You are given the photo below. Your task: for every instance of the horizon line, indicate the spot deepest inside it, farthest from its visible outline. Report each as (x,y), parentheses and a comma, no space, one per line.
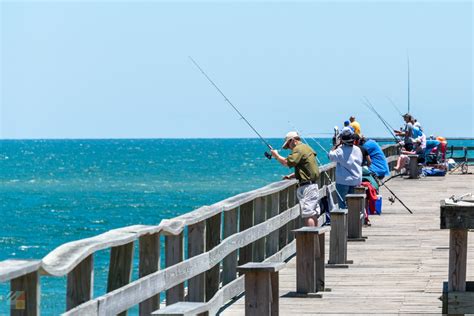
(198,138)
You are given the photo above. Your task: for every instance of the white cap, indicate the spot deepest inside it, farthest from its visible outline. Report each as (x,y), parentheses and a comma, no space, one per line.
(289,136)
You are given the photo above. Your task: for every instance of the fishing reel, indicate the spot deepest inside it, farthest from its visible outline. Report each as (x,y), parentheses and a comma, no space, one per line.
(268,155)
(391,199)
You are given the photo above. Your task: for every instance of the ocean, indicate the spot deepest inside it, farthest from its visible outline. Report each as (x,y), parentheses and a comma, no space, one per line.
(56,191)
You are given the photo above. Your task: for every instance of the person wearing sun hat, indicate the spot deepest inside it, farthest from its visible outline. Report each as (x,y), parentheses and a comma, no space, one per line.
(349,165)
(303,159)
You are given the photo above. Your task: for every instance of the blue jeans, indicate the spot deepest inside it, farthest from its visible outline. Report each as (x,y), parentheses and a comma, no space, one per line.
(343,191)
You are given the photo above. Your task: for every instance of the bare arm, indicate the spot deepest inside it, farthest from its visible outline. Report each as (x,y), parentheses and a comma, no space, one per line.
(278,157)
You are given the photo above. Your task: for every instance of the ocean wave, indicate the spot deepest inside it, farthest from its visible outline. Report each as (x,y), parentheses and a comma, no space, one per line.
(24,248)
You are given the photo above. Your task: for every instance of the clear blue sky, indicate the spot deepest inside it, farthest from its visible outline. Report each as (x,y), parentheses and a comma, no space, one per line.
(120,69)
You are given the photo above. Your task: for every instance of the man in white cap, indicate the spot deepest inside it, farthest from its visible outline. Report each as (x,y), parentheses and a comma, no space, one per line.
(349,165)
(303,159)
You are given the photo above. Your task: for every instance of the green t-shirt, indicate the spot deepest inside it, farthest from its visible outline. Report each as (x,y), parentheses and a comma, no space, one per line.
(303,159)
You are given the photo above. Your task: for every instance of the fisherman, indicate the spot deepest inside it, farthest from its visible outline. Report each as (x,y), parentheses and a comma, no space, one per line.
(407,133)
(355,125)
(366,159)
(379,165)
(349,165)
(303,159)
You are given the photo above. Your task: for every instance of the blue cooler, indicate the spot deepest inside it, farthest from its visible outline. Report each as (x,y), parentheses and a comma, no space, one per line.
(378,205)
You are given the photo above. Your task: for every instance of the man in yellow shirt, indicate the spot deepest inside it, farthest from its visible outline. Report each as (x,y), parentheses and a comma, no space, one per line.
(355,125)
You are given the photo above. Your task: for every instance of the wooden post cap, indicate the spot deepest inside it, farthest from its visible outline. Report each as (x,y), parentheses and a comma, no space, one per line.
(13,268)
(261,266)
(312,230)
(339,211)
(182,308)
(355,196)
(456,215)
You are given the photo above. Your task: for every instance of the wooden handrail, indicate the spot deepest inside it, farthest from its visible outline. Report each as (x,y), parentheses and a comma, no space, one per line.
(277,216)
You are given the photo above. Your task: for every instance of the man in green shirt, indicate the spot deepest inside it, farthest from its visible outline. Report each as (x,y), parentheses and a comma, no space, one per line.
(303,159)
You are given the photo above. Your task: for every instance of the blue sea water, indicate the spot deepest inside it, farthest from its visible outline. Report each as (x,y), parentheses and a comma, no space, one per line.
(56,191)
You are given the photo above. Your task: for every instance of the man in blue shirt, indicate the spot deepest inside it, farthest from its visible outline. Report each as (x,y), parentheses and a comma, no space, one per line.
(379,164)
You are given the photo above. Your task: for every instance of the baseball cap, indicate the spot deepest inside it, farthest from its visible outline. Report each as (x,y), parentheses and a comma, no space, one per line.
(289,136)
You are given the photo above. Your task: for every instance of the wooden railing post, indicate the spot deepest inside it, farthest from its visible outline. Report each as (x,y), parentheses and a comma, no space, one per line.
(23,275)
(80,283)
(196,246)
(356,208)
(213,238)
(292,224)
(413,166)
(261,288)
(272,208)
(283,239)
(259,217)
(174,255)
(25,291)
(457,260)
(338,239)
(458,293)
(120,268)
(246,221)
(229,264)
(310,259)
(149,262)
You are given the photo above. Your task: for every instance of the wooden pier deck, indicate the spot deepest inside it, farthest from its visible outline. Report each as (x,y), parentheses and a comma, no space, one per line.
(401,267)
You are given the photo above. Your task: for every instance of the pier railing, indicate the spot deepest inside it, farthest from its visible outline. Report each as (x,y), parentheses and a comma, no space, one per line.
(252,226)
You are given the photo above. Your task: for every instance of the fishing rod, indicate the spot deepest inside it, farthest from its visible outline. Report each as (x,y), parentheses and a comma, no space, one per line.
(267,154)
(391,192)
(319,162)
(408,66)
(395,106)
(367,103)
(377,113)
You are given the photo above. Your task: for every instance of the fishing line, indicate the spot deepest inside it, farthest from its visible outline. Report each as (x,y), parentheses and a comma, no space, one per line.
(268,155)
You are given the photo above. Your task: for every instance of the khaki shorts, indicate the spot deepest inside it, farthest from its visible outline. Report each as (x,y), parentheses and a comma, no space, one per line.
(308,196)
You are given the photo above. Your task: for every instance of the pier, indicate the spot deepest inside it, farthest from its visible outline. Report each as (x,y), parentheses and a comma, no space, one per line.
(399,268)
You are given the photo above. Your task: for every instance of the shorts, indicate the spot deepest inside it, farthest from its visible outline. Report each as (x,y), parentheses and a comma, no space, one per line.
(308,196)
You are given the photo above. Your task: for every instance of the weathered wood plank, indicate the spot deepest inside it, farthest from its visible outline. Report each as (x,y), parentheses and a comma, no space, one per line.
(291,202)
(258,294)
(413,166)
(338,239)
(66,257)
(272,209)
(355,217)
(120,268)
(150,255)
(25,295)
(258,248)
(456,215)
(173,255)
(457,260)
(229,264)
(307,249)
(14,268)
(139,290)
(320,264)
(283,235)
(227,292)
(246,221)
(80,283)
(197,246)
(213,238)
